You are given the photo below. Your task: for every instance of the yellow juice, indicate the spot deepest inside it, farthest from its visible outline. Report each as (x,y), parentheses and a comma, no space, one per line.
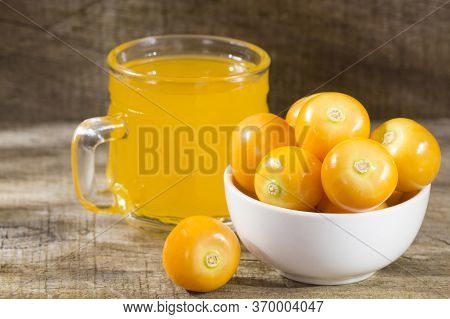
(179,111)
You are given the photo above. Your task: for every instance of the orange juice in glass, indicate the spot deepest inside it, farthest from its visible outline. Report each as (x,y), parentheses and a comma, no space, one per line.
(174,103)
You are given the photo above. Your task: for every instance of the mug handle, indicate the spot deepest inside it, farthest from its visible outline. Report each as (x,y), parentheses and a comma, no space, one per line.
(88,135)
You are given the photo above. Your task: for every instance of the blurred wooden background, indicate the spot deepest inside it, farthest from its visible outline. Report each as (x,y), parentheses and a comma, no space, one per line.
(309,41)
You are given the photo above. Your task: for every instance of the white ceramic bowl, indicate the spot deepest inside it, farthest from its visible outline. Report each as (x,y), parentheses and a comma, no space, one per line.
(324,249)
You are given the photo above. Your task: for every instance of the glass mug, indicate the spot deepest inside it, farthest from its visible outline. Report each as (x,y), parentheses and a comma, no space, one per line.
(174,101)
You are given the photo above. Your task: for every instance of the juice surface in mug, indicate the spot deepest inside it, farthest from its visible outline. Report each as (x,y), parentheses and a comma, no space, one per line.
(180,125)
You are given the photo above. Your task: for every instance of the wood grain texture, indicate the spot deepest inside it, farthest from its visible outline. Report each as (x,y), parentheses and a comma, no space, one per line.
(310,42)
(50,247)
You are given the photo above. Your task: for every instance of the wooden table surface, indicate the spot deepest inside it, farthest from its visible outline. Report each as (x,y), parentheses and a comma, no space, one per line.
(50,247)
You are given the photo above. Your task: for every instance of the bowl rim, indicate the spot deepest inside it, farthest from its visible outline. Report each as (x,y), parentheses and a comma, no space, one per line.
(389,210)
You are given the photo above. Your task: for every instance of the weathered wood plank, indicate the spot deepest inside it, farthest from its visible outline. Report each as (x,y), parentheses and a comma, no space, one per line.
(309,41)
(50,247)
